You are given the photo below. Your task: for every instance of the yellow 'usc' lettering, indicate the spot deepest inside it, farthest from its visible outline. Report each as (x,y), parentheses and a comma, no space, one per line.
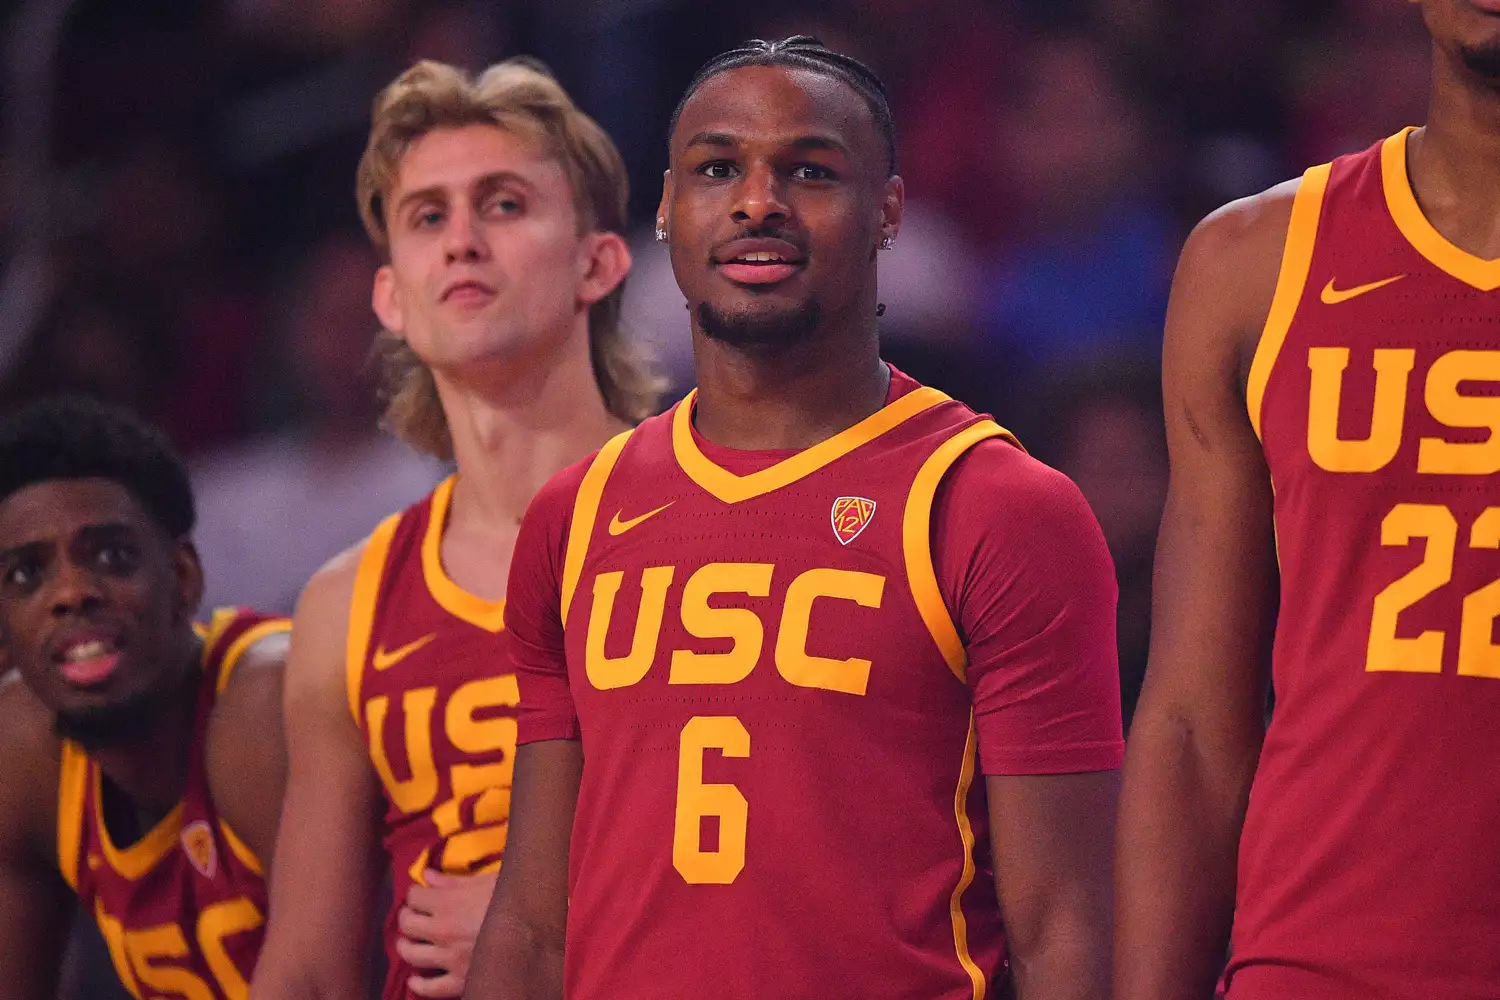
(741,626)
(147,960)
(1393,367)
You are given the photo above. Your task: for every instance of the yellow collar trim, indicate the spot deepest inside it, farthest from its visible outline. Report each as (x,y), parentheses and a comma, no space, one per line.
(730,488)
(1419,232)
(488,615)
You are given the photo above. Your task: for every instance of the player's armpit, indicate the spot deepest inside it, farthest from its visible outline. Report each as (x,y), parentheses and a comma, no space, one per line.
(519,954)
(323,881)
(246,747)
(1053,841)
(36,905)
(1199,724)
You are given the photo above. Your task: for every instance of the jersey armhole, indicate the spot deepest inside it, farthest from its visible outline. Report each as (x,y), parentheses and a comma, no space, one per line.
(72,799)
(367,579)
(246,639)
(1291,282)
(585,513)
(916,541)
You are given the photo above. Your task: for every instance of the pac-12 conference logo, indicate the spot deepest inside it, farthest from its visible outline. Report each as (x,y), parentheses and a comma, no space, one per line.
(850,516)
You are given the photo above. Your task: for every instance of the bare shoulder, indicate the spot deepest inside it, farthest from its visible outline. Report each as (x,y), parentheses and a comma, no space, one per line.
(30,763)
(1230,264)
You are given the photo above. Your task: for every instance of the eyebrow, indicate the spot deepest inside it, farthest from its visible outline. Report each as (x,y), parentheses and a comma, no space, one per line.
(89,532)
(485,182)
(724,139)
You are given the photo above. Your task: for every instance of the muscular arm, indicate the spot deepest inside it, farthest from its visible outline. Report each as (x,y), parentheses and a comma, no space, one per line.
(519,955)
(1200,721)
(38,905)
(246,754)
(323,882)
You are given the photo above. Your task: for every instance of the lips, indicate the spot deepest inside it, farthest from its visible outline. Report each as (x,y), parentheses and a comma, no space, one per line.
(467,291)
(1487,6)
(759,261)
(88,659)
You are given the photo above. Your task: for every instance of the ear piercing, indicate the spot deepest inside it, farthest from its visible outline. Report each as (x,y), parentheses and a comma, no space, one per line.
(888,243)
(661,230)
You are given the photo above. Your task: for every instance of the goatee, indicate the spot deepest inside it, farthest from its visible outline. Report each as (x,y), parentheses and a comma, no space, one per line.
(755,330)
(107,726)
(1483,61)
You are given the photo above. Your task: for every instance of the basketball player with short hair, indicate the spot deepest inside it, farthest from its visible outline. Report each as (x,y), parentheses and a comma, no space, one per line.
(818,683)
(1331,361)
(498,206)
(141,762)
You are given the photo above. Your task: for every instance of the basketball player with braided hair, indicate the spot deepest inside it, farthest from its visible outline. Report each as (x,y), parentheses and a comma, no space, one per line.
(498,206)
(817,669)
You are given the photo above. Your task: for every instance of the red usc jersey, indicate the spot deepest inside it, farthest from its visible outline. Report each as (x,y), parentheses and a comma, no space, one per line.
(182,909)
(439,722)
(1368,864)
(778,714)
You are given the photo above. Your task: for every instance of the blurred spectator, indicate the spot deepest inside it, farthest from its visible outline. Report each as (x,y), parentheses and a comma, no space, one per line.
(1088,262)
(1103,428)
(273,510)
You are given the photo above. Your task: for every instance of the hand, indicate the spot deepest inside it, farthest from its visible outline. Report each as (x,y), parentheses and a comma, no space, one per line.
(438,925)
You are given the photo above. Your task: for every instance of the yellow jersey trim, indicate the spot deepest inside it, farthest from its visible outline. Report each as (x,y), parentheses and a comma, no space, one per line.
(72,799)
(730,488)
(241,849)
(362,607)
(966,879)
(585,513)
(488,615)
(1291,282)
(916,541)
(1419,232)
(252,635)
(135,861)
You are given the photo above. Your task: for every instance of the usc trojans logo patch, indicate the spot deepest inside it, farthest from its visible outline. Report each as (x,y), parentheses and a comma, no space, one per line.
(198,845)
(850,516)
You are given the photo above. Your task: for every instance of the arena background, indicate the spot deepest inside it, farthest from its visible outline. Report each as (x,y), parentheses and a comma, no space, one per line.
(178,231)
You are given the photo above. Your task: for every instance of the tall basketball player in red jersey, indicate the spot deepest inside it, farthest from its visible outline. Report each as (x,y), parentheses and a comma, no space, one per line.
(1332,354)
(141,760)
(769,642)
(499,207)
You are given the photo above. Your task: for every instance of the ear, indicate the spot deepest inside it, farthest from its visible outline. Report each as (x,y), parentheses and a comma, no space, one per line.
(606,262)
(663,210)
(385,299)
(892,206)
(187,575)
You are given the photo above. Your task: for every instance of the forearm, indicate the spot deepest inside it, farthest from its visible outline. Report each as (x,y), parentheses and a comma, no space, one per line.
(1179,831)
(515,960)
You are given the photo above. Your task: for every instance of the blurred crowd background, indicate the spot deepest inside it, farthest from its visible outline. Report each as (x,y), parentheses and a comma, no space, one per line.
(178,230)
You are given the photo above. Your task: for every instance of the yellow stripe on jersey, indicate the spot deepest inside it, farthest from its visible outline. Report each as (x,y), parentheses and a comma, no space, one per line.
(966,838)
(488,615)
(135,861)
(252,635)
(730,488)
(72,799)
(1296,259)
(241,849)
(916,540)
(362,607)
(1401,202)
(585,513)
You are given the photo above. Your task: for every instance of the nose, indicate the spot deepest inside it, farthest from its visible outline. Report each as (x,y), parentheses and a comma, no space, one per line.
(463,237)
(75,589)
(760,200)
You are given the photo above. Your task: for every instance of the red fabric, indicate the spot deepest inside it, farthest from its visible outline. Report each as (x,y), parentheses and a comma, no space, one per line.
(450,807)
(1368,862)
(173,904)
(850,798)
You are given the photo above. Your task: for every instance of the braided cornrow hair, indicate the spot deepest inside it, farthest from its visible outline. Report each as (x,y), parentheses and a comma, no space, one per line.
(804,52)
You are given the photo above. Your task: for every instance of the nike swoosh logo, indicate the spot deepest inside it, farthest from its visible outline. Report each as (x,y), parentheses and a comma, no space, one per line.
(1333,296)
(619,527)
(386,659)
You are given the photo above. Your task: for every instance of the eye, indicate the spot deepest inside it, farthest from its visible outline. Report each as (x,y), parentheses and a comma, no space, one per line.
(428,218)
(505,204)
(23,576)
(116,557)
(811,172)
(717,170)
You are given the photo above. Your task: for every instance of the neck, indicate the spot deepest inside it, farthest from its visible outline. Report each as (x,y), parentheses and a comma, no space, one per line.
(1455,161)
(515,425)
(152,772)
(791,398)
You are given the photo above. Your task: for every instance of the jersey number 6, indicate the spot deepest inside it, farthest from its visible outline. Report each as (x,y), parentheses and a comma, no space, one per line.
(697,800)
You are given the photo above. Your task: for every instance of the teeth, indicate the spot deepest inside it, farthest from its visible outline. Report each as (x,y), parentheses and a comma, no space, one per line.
(761,257)
(87,650)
